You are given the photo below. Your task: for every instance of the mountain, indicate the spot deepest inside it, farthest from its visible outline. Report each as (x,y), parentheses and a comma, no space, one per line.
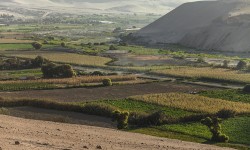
(99,6)
(210,25)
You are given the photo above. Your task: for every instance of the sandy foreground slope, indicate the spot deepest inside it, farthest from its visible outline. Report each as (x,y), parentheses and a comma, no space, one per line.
(40,135)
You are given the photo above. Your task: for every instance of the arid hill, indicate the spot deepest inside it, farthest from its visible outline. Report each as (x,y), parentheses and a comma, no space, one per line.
(24,134)
(210,25)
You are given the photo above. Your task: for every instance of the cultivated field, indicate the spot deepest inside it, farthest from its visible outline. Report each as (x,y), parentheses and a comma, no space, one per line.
(14,41)
(216,74)
(84,81)
(103,93)
(193,103)
(62,57)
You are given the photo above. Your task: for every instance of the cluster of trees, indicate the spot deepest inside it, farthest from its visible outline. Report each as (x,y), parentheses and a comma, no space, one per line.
(17,63)
(52,70)
(242,65)
(213,123)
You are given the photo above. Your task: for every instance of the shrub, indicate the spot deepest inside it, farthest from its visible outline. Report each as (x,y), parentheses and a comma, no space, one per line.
(154,119)
(225,63)
(112,47)
(123,44)
(63,44)
(215,128)
(226,113)
(121,118)
(89,44)
(193,118)
(246,89)
(200,60)
(107,82)
(99,110)
(98,73)
(37,45)
(241,65)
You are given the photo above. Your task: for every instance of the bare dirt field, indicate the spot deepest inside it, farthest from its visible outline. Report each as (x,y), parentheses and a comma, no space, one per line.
(60,116)
(23,134)
(104,93)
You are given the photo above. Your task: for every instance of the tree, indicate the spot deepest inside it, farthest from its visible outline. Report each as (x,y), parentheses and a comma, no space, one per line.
(112,47)
(121,118)
(226,63)
(48,70)
(215,128)
(38,61)
(200,60)
(63,44)
(64,71)
(37,45)
(241,65)
(58,71)
(246,89)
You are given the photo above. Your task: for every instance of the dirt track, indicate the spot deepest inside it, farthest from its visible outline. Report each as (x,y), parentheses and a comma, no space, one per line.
(101,93)
(42,135)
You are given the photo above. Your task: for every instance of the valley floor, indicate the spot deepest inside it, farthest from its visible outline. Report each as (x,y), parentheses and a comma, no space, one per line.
(42,135)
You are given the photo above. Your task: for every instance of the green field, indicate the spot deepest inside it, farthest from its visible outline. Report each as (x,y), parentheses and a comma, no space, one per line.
(142,107)
(24,46)
(15,47)
(231,95)
(236,128)
(21,73)
(63,57)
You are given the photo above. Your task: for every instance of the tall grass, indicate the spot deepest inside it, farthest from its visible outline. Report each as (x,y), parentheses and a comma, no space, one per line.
(193,103)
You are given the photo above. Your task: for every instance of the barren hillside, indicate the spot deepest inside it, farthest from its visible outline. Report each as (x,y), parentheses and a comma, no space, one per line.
(210,25)
(42,135)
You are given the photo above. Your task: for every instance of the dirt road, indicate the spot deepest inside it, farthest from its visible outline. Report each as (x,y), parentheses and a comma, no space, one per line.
(42,135)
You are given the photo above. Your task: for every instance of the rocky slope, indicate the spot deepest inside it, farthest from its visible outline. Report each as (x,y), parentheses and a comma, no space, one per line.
(211,25)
